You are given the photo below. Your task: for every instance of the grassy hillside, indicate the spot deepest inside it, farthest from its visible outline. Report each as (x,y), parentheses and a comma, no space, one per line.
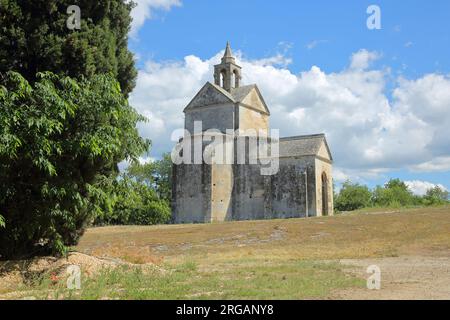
(372,233)
(281,259)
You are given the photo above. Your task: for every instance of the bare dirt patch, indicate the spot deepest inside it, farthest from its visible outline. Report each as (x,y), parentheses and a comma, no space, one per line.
(14,274)
(405,277)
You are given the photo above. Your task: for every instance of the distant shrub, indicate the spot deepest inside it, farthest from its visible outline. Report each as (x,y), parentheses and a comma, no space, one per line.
(394,193)
(436,196)
(352,196)
(133,203)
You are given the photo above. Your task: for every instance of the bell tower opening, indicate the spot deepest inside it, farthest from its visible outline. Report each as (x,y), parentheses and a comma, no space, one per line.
(227,74)
(223,76)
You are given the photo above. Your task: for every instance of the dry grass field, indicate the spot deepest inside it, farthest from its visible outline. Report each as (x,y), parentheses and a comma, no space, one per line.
(355,235)
(312,258)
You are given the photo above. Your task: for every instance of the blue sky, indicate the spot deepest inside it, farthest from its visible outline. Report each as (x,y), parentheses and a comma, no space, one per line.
(413,43)
(415,33)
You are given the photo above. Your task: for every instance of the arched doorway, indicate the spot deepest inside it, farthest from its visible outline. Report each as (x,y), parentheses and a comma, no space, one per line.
(324,194)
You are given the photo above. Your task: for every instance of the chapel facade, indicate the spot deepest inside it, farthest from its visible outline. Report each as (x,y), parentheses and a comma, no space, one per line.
(291,178)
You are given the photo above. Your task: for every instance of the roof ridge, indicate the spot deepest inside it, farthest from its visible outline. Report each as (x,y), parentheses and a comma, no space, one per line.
(247,85)
(222,90)
(303,145)
(308,136)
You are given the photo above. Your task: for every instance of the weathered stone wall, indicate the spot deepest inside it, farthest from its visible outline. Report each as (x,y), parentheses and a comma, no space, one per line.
(289,188)
(220,117)
(221,192)
(240,192)
(191,193)
(248,193)
(252,119)
(278,196)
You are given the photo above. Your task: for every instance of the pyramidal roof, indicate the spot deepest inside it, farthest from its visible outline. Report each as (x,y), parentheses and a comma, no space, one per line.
(228,53)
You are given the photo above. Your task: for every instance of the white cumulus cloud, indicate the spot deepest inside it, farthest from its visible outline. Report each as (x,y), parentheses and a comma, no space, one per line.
(362,59)
(369,132)
(144,10)
(420,188)
(439,164)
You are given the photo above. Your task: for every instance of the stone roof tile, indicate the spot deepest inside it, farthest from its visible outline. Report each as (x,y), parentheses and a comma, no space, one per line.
(301,145)
(240,93)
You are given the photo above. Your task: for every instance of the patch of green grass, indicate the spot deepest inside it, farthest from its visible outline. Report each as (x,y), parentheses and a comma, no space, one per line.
(243,279)
(294,279)
(393,208)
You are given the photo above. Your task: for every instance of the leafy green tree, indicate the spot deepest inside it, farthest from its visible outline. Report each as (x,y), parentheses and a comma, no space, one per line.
(395,193)
(157,174)
(139,204)
(141,195)
(436,196)
(163,177)
(60,142)
(396,184)
(352,196)
(134,202)
(34,38)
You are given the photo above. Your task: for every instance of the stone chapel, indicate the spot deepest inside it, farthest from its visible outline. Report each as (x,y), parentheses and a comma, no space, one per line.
(210,191)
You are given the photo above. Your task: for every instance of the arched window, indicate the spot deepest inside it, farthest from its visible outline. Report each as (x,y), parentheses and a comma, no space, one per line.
(324,194)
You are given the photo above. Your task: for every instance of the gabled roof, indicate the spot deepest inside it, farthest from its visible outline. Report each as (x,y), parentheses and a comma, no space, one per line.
(241,94)
(209,94)
(303,146)
(212,94)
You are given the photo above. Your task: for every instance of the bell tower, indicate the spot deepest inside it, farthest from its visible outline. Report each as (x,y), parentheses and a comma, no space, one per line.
(227,74)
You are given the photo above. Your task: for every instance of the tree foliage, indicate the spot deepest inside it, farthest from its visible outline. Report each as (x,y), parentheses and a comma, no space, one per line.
(34,38)
(395,193)
(157,174)
(352,196)
(60,142)
(141,195)
(436,196)
(133,203)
